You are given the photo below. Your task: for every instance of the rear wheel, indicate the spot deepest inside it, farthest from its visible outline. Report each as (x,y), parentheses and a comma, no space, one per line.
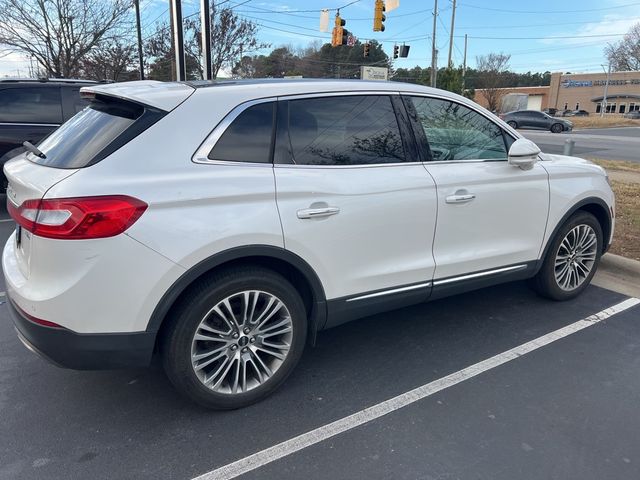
(557,128)
(512,124)
(235,338)
(572,258)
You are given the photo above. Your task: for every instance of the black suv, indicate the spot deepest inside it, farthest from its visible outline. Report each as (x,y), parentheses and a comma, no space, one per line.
(31,109)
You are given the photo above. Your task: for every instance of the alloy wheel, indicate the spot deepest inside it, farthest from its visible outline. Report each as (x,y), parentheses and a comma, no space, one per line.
(241,342)
(576,257)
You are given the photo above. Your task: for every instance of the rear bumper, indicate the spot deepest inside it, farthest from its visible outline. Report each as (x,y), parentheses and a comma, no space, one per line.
(82,351)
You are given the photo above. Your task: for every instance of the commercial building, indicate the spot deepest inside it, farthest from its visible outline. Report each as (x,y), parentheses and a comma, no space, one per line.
(578,91)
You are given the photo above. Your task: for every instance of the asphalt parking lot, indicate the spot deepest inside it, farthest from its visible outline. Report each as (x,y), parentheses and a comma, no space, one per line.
(604,143)
(568,409)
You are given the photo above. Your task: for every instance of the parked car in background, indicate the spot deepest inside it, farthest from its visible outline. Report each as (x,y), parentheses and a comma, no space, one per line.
(281,208)
(634,115)
(550,111)
(537,120)
(577,113)
(30,109)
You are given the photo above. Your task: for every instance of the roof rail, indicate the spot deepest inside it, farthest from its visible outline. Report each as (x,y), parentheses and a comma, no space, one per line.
(44,80)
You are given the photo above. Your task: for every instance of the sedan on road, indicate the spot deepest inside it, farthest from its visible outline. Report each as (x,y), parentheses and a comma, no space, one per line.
(537,120)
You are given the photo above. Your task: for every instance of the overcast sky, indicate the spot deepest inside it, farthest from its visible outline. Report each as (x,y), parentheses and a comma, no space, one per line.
(527,30)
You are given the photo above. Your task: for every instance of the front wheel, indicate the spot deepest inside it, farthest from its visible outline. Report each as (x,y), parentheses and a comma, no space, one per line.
(235,337)
(512,124)
(572,258)
(556,128)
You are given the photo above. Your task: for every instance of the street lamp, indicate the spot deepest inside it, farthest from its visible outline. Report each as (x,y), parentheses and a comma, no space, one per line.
(606,88)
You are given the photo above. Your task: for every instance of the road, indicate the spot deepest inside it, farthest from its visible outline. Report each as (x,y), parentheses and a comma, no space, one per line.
(604,143)
(564,406)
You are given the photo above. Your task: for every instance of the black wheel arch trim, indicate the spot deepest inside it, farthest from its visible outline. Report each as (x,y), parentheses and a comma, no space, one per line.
(606,231)
(318,312)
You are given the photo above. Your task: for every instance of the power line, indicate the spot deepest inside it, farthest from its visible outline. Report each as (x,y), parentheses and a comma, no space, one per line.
(546,12)
(545,38)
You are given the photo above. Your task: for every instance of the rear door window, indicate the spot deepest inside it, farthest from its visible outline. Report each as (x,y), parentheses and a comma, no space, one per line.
(349,130)
(79,141)
(31,105)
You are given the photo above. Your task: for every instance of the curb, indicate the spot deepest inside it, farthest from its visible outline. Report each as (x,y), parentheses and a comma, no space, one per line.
(619,274)
(616,263)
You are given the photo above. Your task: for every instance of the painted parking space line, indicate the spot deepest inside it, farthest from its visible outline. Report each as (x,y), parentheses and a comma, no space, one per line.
(7,220)
(293,445)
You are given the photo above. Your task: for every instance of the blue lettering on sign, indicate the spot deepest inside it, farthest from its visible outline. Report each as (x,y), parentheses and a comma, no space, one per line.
(577,83)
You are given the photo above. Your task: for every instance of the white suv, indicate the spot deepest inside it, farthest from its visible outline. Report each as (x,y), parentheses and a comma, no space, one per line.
(224,224)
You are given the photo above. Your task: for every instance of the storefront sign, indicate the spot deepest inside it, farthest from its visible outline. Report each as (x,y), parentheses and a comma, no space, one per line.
(598,83)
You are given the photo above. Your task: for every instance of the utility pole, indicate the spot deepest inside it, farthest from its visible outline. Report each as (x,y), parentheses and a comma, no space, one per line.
(178,40)
(603,107)
(434,52)
(205,21)
(464,63)
(453,22)
(140,60)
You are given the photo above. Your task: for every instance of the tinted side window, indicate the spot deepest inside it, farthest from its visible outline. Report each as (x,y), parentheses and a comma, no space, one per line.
(248,138)
(455,132)
(31,105)
(351,130)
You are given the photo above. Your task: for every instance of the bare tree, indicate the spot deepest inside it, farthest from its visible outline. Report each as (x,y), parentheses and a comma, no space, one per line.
(111,62)
(491,70)
(59,33)
(625,54)
(231,35)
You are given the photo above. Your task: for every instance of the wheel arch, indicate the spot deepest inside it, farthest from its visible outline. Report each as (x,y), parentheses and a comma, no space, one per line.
(593,205)
(282,261)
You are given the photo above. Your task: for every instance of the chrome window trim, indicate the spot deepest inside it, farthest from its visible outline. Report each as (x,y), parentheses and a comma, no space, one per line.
(471,276)
(366,165)
(390,291)
(16,124)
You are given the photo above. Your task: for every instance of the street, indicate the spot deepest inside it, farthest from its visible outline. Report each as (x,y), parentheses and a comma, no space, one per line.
(602,143)
(565,410)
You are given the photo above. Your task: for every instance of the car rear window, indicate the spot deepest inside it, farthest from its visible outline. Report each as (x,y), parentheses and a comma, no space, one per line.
(80,140)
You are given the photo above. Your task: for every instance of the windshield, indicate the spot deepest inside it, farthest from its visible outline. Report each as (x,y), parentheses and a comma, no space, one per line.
(77,142)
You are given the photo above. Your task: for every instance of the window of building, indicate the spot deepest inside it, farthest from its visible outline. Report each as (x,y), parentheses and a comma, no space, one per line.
(248,138)
(456,132)
(31,105)
(349,130)
(622,108)
(632,106)
(598,107)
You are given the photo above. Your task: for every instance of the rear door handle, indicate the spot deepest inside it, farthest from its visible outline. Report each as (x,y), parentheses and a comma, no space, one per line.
(318,212)
(460,198)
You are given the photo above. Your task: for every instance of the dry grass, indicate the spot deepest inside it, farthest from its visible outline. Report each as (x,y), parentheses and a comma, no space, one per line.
(619,165)
(602,122)
(626,241)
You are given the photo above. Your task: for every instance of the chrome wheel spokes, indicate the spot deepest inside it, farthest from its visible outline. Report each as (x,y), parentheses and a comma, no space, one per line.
(576,257)
(241,342)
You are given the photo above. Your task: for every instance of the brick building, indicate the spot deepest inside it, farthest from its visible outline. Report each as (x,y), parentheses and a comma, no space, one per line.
(578,91)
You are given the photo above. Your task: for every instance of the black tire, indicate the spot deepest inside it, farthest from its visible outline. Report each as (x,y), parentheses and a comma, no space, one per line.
(512,124)
(176,343)
(557,128)
(545,282)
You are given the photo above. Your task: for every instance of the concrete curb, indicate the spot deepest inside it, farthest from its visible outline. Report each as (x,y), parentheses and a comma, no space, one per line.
(619,274)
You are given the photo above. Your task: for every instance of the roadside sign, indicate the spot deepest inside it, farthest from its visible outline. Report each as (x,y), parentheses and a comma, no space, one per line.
(374,73)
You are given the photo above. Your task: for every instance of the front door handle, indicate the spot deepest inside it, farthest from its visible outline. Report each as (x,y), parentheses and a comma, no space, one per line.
(460,197)
(318,212)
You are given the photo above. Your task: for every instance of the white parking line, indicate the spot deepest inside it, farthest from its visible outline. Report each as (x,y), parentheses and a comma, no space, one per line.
(320,434)
(3,294)
(7,220)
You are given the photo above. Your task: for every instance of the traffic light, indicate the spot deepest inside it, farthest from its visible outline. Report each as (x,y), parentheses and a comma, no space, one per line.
(367,47)
(339,35)
(378,16)
(396,50)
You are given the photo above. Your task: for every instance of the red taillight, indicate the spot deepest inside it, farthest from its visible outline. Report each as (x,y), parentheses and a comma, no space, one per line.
(78,218)
(39,321)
